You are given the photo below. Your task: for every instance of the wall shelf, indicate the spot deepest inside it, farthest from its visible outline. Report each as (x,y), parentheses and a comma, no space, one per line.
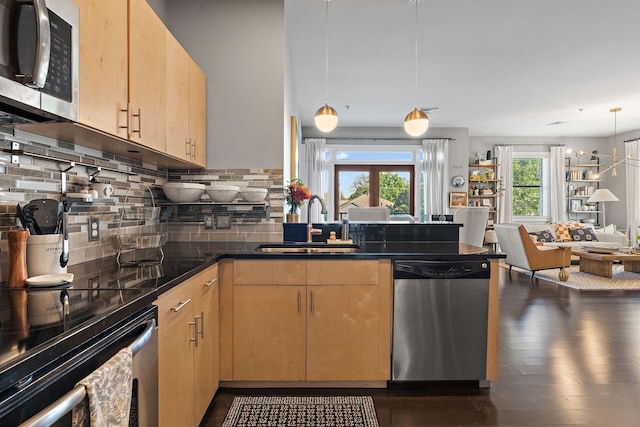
(195,212)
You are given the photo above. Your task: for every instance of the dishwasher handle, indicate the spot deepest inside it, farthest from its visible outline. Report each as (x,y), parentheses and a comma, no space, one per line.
(412,269)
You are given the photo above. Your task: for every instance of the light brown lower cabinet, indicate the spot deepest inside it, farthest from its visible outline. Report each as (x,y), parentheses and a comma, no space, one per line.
(318,320)
(343,334)
(269,333)
(188,349)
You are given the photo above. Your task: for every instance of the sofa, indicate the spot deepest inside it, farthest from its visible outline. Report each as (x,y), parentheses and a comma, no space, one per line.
(575,235)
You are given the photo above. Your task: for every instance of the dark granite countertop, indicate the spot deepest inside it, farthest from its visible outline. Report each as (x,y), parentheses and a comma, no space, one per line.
(103,292)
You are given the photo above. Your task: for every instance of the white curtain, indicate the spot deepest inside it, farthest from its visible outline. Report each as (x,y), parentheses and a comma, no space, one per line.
(435,173)
(312,174)
(504,157)
(632,148)
(557,184)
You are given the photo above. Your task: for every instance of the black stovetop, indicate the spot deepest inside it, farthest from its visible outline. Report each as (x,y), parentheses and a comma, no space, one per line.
(101,293)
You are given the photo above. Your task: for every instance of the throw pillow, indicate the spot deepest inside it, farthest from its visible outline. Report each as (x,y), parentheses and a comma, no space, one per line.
(609,229)
(543,236)
(583,234)
(562,230)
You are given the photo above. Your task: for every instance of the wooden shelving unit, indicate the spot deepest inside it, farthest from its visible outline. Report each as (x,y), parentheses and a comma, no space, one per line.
(487,193)
(582,181)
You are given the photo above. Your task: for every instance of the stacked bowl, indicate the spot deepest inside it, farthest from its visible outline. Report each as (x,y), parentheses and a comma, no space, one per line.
(222,192)
(183,192)
(253,195)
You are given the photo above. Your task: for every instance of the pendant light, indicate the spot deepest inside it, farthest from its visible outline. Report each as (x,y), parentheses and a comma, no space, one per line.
(326,118)
(614,170)
(417,122)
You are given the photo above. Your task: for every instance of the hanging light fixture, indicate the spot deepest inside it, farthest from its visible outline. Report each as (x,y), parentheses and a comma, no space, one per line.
(614,170)
(614,158)
(326,118)
(417,122)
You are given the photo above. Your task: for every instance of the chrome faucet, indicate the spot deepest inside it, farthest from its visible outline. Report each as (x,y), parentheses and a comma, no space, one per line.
(310,230)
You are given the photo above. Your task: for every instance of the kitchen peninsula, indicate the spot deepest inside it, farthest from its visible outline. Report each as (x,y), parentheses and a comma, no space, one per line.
(285,319)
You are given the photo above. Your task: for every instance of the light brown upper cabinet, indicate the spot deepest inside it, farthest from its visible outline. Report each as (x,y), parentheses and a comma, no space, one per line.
(147,76)
(198,113)
(138,83)
(186,105)
(104,62)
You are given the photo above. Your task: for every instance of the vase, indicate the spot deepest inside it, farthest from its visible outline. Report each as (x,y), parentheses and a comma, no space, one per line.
(293,217)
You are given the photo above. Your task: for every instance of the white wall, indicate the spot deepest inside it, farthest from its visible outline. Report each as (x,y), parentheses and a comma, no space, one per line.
(240,46)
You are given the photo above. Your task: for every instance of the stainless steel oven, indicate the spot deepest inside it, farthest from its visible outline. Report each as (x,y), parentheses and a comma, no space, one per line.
(47,399)
(39,59)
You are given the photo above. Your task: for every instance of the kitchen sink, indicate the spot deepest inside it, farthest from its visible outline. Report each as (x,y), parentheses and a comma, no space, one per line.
(303,247)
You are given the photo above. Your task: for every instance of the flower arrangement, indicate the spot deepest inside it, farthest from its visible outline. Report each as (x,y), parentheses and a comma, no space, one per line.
(295,194)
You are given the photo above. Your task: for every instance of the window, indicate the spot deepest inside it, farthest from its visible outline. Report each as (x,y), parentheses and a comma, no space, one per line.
(390,186)
(372,175)
(531,195)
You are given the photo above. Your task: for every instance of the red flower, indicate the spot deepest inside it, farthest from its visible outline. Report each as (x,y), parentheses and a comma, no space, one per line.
(296,193)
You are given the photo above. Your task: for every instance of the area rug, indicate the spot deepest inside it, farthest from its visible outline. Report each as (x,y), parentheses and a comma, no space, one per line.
(285,411)
(621,279)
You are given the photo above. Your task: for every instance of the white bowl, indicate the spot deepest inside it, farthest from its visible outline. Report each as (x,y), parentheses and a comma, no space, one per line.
(222,193)
(183,192)
(253,194)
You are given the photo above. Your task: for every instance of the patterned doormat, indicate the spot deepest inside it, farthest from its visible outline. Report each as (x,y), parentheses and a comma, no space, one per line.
(335,411)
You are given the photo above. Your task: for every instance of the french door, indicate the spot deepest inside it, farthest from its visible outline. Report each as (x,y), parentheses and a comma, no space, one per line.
(391,186)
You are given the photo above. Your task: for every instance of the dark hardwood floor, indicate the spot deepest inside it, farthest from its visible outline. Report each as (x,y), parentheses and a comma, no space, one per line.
(567,358)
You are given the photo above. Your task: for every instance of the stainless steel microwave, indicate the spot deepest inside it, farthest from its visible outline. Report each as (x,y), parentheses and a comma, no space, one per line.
(39,59)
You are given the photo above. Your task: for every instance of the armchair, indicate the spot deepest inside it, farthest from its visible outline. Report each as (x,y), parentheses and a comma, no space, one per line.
(522,252)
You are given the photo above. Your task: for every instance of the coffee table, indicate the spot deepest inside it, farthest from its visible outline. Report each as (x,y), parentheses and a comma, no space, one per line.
(602,264)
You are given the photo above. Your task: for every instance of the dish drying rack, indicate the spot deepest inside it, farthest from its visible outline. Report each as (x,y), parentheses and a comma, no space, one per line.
(138,242)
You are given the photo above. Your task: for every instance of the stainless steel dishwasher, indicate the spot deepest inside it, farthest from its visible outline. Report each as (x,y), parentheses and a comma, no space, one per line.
(440,312)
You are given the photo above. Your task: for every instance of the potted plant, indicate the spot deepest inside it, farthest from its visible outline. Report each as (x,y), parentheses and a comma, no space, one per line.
(489,174)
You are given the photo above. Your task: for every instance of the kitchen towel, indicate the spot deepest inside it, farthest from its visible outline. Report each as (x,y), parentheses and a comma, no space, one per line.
(109,391)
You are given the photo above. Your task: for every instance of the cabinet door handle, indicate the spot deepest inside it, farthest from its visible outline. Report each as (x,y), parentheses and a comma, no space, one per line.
(313,302)
(187,148)
(299,302)
(195,149)
(126,126)
(211,282)
(195,330)
(202,324)
(139,116)
(180,306)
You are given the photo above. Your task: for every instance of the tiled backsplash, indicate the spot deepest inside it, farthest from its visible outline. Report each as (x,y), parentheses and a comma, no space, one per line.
(38,174)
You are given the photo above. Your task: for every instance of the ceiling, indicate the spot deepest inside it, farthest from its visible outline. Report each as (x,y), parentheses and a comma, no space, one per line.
(496,67)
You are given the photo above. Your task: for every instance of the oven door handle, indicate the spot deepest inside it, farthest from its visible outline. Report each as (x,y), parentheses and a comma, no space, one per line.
(60,407)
